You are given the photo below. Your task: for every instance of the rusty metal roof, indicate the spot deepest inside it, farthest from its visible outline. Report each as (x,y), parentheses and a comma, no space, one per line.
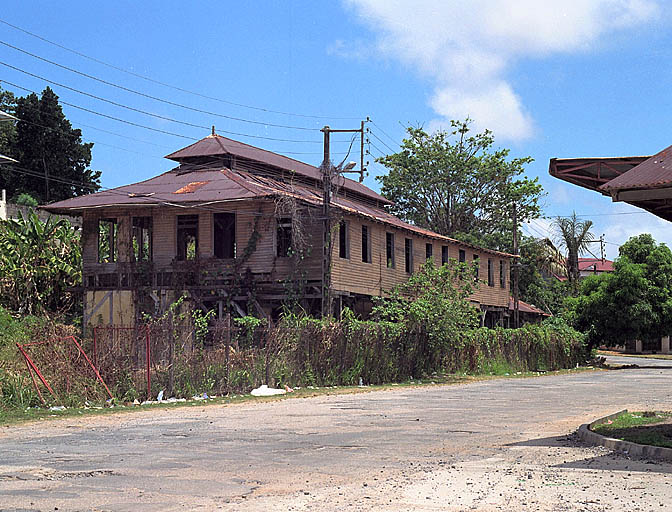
(596,265)
(205,187)
(654,172)
(216,145)
(591,172)
(524,307)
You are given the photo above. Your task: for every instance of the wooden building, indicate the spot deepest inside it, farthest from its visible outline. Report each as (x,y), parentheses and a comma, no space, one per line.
(239,227)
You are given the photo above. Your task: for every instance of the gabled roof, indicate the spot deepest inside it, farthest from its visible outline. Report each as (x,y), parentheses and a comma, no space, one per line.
(216,145)
(204,187)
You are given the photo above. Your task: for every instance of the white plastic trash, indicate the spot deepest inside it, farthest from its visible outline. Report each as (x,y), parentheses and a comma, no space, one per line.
(264,390)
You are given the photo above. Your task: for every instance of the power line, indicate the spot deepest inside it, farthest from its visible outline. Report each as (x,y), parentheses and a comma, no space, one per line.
(384,133)
(143,77)
(381,141)
(152,114)
(155,98)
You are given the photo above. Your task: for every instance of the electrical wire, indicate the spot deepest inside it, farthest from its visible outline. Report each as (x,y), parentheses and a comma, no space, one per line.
(384,133)
(152,114)
(381,141)
(143,77)
(155,98)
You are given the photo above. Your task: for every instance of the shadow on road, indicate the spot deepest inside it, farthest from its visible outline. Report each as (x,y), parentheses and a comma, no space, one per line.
(555,441)
(616,461)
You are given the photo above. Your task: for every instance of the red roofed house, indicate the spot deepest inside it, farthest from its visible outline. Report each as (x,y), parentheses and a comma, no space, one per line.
(591,266)
(240,227)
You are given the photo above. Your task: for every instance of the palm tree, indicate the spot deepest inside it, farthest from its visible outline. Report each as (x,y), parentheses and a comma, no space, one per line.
(574,235)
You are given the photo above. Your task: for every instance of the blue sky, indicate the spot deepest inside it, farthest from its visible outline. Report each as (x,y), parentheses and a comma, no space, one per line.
(589,78)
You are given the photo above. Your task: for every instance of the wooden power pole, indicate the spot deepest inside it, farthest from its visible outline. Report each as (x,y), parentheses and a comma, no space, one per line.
(516,270)
(328,172)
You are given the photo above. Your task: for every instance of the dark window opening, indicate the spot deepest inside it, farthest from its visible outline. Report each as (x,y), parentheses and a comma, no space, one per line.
(444,254)
(389,246)
(408,253)
(224,235)
(429,250)
(477,264)
(107,240)
(366,244)
(502,274)
(491,273)
(187,237)
(343,246)
(142,239)
(463,256)
(284,237)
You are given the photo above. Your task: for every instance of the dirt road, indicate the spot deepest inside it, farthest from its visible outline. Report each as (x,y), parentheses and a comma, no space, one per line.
(494,445)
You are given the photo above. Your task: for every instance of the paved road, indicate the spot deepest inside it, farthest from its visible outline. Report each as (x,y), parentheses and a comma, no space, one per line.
(493,445)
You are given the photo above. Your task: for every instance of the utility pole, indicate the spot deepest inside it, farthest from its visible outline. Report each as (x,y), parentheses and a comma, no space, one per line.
(328,172)
(602,248)
(516,269)
(326,225)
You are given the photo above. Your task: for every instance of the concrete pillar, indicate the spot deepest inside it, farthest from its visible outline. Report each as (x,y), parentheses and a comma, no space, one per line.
(3,205)
(638,346)
(665,345)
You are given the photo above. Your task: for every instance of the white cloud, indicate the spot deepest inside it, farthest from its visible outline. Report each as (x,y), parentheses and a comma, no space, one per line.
(466,47)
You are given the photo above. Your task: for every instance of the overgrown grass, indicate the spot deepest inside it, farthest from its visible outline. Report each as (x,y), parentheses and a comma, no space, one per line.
(651,428)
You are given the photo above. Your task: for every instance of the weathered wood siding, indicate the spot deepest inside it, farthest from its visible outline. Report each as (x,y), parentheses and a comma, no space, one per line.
(262,260)
(355,276)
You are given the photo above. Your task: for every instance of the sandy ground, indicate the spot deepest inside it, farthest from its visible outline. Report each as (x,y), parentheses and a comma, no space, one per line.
(494,445)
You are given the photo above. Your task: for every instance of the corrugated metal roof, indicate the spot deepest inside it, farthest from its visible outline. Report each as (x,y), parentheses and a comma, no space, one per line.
(524,307)
(221,185)
(654,172)
(596,265)
(216,145)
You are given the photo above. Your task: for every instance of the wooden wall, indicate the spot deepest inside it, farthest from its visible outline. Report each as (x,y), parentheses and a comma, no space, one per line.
(355,276)
(350,275)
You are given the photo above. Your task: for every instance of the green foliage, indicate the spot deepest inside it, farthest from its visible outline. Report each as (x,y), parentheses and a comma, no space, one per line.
(24,199)
(39,262)
(16,391)
(456,184)
(46,143)
(633,302)
(575,236)
(539,264)
(433,298)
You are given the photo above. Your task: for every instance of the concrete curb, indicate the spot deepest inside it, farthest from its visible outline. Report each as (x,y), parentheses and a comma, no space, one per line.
(632,449)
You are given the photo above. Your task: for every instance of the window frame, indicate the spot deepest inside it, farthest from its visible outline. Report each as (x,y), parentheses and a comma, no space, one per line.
(389,250)
(491,273)
(445,254)
(429,251)
(141,225)
(196,227)
(366,244)
(112,240)
(283,224)
(232,245)
(408,255)
(344,235)
(502,274)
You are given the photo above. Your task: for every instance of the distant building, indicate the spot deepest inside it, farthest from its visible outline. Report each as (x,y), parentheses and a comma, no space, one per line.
(4,117)
(592,266)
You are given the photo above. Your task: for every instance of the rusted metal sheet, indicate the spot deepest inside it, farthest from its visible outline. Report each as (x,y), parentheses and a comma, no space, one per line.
(592,173)
(216,145)
(654,172)
(191,187)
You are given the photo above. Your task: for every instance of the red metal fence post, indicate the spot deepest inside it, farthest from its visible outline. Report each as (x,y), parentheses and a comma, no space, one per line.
(148,360)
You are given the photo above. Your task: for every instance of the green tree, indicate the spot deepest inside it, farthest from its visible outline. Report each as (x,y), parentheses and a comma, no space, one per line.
(456,184)
(435,299)
(541,265)
(54,160)
(633,302)
(39,263)
(575,236)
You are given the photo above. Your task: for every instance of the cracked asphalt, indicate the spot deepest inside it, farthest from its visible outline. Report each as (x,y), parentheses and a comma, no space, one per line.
(503,444)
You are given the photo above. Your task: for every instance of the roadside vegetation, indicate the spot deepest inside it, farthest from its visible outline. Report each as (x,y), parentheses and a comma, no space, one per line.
(651,428)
